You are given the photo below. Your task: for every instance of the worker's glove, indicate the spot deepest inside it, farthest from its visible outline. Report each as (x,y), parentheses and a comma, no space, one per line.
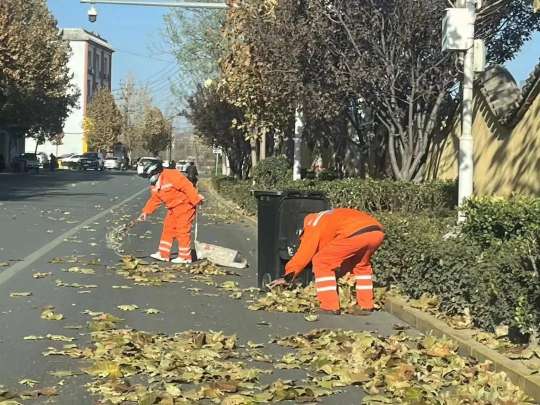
(201,202)
(285,281)
(142,217)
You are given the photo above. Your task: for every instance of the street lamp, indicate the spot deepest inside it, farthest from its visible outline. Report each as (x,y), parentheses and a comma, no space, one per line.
(92,14)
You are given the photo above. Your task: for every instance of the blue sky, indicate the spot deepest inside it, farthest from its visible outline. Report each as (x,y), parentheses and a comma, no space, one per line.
(136,34)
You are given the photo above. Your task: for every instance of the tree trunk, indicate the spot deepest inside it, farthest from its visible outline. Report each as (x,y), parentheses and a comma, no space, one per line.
(297,159)
(253,145)
(262,151)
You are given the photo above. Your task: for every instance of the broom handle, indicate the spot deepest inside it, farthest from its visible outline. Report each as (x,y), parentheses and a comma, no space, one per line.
(196,224)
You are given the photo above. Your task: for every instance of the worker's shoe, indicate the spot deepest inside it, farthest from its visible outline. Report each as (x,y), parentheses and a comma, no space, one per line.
(330,311)
(358,311)
(158,256)
(179,260)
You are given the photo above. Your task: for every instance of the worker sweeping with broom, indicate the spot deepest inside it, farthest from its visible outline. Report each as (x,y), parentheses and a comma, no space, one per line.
(171,188)
(341,238)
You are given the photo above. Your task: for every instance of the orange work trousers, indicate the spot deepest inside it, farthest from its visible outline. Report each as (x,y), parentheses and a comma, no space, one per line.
(177,225)
(349,254)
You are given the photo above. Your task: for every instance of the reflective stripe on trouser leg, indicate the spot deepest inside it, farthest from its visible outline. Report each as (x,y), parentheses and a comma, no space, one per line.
(326,287)
(167,236)
(364,287)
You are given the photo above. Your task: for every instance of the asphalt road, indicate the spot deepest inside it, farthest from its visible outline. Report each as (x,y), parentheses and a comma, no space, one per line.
(64,214)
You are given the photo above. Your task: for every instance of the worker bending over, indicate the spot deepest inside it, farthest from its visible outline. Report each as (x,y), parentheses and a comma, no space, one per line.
(176,192)
(341,238)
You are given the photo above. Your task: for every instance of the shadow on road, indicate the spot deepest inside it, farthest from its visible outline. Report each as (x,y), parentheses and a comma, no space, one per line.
(17,187)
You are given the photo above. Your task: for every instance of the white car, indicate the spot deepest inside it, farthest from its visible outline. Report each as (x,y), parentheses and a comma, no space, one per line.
(144,162)
(113,163)
(182,165)
(72,162)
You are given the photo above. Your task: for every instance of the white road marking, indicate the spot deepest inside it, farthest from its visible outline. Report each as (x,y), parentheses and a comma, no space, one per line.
(31,258)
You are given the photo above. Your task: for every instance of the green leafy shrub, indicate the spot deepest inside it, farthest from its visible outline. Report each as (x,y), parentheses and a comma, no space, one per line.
(386,195)
(366,195)
(272,173)
(328,175)
(237,191)
(496,285)
(495,220)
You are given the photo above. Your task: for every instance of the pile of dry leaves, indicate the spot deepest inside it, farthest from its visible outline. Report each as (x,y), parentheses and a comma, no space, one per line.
(209,367)
(304,300)
(398,369)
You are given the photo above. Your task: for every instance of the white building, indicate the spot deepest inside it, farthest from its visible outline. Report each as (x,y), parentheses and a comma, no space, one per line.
(90,63)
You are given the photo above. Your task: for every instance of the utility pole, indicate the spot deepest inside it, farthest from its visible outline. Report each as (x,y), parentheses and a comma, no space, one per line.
(466,141)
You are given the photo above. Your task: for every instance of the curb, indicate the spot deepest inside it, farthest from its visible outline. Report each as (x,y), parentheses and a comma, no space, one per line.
(227,203)
(426,323)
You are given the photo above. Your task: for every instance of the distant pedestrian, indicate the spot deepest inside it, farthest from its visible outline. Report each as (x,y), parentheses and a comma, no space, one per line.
(2,163)
(192,174)
(53,162)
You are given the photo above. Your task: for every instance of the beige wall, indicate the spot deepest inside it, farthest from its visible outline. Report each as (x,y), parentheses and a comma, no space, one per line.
(507,160)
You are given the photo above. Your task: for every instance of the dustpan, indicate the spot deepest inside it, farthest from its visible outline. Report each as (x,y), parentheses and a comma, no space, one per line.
(218,255)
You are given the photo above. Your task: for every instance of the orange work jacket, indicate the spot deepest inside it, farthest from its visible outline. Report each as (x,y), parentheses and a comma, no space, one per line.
(172,189)
(322,228)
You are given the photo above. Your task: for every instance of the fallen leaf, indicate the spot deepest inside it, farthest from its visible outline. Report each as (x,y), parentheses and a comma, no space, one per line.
(152,311)
(128,307)
(41,275)
(50,315)
(311,317)
(20,294)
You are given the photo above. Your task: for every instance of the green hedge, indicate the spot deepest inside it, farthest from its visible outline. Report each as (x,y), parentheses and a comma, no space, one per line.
(496,220)
(237,191)
(497,285)
(367,195)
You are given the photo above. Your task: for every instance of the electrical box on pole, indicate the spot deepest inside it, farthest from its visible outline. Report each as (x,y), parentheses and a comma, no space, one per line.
(458,29)
(480,55)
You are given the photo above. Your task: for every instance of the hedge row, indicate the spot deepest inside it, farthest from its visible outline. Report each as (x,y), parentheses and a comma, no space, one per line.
(367,195)
(497,285)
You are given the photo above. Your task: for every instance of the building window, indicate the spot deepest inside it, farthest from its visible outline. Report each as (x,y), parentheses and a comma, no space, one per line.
(88,90)
(90,61)
(106,66)
(98,64)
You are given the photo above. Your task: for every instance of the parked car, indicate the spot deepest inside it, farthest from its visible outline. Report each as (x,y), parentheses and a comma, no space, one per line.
(43,159)
(182,165)
(25,162)
(113,163)
(72,162)
(62,158)
(90,161)
(144,162)
(96,156)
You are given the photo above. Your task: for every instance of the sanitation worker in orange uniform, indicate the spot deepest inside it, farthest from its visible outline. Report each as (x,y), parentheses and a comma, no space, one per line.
(175,191)
(341,238)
